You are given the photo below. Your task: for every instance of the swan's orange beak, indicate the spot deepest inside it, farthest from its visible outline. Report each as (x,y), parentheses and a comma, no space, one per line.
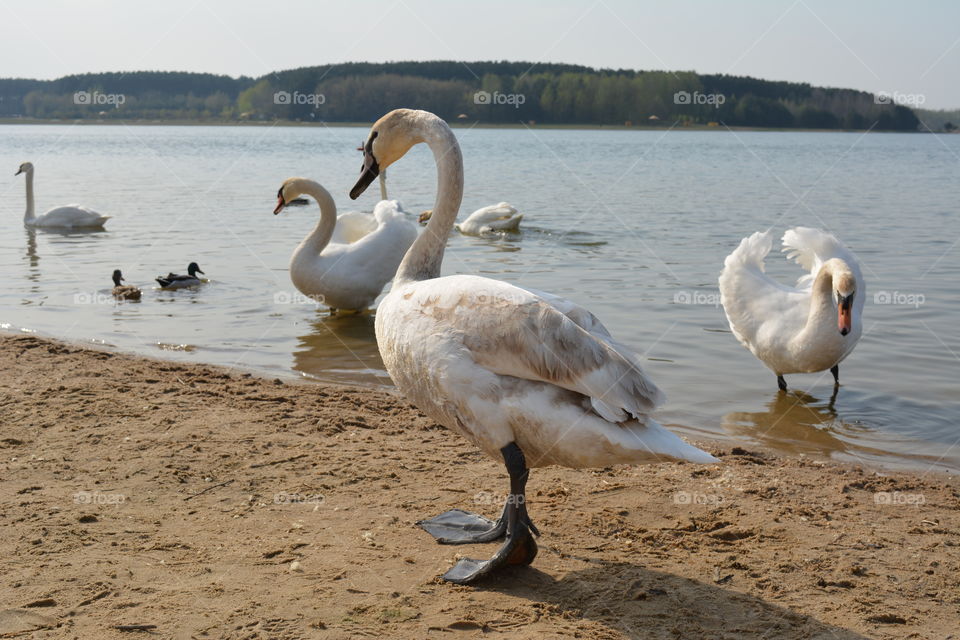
(280,204)
(844,315)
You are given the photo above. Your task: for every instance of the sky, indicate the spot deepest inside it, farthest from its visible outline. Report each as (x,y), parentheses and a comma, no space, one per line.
(911,50)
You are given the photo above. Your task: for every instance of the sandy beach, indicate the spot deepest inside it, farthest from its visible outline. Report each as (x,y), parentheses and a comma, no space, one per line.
(143,498)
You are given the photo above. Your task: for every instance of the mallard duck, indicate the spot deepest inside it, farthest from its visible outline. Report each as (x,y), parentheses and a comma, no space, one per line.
(124,291)
(177,281)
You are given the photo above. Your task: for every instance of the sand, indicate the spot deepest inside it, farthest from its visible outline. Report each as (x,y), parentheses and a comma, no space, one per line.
(211,503)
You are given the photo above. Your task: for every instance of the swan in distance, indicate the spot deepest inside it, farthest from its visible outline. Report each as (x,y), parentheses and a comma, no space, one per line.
(494,218)
(529,378)
(71,216)
(807,328)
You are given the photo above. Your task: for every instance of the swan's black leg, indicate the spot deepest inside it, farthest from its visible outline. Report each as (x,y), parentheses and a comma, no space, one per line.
(461,527)
(835,370)
(519,547)
(781,383)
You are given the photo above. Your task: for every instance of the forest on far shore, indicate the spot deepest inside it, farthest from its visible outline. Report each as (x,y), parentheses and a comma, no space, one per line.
(486,92)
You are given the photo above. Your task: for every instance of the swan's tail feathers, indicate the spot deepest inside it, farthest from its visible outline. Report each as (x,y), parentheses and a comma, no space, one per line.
(654,443)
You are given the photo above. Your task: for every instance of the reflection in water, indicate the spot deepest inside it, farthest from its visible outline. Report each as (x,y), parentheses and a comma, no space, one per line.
(33,258)
(343,348)
(797,422)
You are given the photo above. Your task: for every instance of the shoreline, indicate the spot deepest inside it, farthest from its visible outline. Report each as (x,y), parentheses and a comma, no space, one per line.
(215,503)
(664,127)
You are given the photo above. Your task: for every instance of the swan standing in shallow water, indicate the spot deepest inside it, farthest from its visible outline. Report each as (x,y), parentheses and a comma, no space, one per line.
(528,377)
(351,273)
(495,218)
(71,216)
(804,329)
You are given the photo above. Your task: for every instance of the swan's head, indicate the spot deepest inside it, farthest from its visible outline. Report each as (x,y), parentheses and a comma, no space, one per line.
(844,290)
(193,269)
(26,167)
(290,190)
(390,138)
(425,216)
(117,277)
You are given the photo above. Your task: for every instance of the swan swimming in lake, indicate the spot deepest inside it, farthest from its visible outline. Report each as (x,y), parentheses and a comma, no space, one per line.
(528,377)
(349,272)
(71,216)
(804,329)
(495,218)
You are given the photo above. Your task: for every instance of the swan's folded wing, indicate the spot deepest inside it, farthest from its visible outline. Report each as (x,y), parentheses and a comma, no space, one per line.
(352,226)
(810,248)
(515,332)
(749,296)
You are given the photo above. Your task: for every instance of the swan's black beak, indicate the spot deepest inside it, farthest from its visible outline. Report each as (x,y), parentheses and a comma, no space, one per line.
(370,170)
(19,171)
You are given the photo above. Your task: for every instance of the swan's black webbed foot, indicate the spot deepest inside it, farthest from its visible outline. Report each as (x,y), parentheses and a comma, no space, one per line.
(781,383)
(459,527)
(835,370)
(514,526)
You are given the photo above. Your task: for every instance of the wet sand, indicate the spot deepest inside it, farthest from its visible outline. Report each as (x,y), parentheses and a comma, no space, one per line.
(215,504)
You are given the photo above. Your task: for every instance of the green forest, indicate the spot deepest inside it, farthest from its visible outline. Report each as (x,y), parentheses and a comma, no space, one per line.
(485,92)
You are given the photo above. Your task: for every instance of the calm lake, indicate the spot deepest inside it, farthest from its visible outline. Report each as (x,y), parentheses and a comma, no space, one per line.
(633,225)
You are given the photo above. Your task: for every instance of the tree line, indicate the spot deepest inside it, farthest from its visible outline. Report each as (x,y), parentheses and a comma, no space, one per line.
(494,92)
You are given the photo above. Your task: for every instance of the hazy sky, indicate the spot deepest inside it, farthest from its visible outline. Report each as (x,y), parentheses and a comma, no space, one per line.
(908,47)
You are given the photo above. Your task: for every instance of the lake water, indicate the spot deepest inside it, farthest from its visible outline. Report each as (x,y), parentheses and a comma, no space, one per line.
(632,224)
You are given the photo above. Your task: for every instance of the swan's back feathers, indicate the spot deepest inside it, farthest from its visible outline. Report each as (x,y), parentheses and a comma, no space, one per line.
(497,217)
(750,297)
(515,332)
(352,226)
(71,215)
(810,248)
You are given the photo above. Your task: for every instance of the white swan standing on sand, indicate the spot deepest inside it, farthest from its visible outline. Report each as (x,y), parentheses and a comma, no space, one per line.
(529,378)
(804,329)
(349,274)
(71,216)
(494,218)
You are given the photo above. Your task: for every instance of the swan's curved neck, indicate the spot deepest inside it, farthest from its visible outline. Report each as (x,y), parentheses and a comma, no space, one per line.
(29,215)
(822,304)
(321,234)
(383,184)
(425,256)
